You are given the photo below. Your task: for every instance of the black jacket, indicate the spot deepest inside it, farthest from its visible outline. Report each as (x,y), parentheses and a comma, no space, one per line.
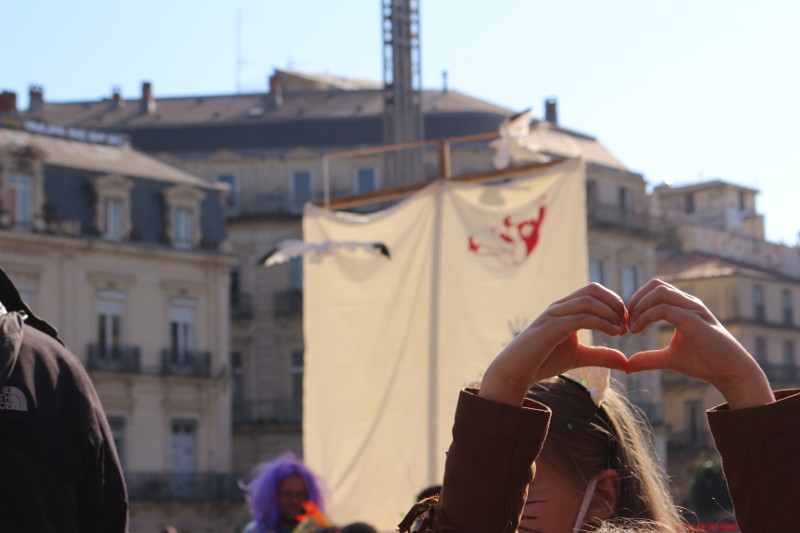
(59,470)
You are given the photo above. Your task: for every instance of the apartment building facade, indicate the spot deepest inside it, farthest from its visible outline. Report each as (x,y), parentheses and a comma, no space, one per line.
(717,252)
(280,149)
(125,256)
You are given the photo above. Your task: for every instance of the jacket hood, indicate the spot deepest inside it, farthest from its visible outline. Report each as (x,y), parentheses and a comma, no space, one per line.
(10,342)
(11,300)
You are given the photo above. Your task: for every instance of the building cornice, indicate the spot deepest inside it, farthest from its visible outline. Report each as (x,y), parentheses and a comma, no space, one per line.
(43,243)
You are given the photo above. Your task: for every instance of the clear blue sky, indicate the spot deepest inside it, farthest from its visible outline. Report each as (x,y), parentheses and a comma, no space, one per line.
(677,89)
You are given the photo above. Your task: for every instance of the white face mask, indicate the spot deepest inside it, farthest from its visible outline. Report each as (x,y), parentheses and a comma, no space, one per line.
(587,499)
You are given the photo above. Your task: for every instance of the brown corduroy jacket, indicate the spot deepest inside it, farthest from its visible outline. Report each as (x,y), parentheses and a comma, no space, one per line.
(488,465)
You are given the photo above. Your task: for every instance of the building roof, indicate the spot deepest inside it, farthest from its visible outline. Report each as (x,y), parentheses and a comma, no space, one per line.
(669,190)
(298,111)
(564,142)
(294,79)
(121,160)
(697,265)
(254,108)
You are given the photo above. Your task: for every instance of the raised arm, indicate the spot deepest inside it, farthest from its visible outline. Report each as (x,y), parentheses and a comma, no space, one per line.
(756,436)
(549,345)
(495,441)
(701,348)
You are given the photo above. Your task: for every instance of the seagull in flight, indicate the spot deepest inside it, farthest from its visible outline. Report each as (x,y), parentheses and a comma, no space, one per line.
(290,248)
(516,143)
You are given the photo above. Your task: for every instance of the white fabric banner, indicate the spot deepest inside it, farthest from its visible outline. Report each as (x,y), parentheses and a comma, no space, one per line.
(390,342)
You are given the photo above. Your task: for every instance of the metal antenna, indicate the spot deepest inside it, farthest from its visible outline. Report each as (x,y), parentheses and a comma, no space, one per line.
(402,89)
(239,51)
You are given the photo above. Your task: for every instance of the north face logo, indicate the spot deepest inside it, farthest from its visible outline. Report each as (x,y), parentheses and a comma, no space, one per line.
(13,399)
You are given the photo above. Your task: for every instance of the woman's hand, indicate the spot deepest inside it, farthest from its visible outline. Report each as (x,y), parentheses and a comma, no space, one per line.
(701,348)
(549,345)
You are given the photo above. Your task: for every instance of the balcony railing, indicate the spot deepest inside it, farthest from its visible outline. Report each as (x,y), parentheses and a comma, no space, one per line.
(614,216)
(288,303)
(263,203)
(753,320)
(241,305)
(651,410)
(123,359)
(785,374)
(276,203)
(671,378)
(190,363)
(690,440)
(275,411)
(182,486)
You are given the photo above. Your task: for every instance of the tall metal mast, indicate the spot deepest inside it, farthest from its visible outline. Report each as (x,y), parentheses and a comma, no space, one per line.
(402,91)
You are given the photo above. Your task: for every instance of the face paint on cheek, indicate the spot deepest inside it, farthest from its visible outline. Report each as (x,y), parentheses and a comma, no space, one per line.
(529,516)
(553,501)
(526,511)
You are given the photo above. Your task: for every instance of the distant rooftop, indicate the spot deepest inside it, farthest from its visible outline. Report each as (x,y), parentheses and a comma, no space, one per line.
(293,96)
(668,190)
(121,160)
(293,80)
(296,111)
(698,265)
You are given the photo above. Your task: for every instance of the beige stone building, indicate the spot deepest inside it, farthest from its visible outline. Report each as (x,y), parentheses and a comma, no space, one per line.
(717,252)
(623,236)
(268,401)
(277,150)
(124,255)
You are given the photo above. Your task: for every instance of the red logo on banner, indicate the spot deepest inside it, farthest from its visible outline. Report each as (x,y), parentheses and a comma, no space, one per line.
(512,242)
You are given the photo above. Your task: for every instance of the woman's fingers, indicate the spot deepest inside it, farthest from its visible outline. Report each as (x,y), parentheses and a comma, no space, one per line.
(550,330)
(644,289)
(593,300)
(537,343)
(549,345)
(571,354)
(683,319)
(649,360)
(602,357)
(661,301)
(590,321)
(598,293)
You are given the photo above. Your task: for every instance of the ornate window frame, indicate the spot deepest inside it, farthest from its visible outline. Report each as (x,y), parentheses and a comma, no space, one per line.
(183,199)
(113,188)
(22,160)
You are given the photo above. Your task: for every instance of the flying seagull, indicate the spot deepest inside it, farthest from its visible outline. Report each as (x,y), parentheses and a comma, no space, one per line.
(517,142)
(314,251)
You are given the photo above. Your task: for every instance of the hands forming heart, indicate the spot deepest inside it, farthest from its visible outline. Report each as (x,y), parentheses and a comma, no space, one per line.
(701,348)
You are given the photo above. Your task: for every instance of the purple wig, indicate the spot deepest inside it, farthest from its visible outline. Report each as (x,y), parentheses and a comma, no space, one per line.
(263,488)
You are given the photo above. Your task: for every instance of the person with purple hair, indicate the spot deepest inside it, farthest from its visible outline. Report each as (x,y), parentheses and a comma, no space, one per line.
(276,494)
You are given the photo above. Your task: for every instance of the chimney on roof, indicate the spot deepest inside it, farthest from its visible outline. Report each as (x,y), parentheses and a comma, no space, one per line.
(275,91)
(8,102)
(148,101)
(116,96)
(551,110)
(35,97)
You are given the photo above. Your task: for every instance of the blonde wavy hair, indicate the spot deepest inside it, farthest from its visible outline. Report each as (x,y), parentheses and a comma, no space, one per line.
(584,439)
